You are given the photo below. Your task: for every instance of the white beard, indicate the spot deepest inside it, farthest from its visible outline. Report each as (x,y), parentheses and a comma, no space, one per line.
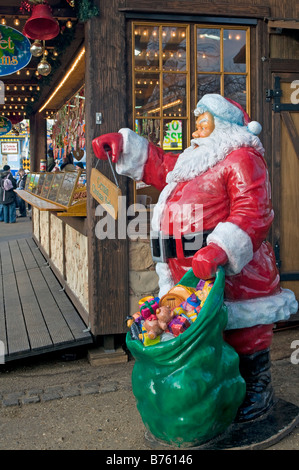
(194,160)
(210,150)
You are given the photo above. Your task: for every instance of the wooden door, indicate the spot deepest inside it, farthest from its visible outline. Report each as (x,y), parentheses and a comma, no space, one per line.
(285,177)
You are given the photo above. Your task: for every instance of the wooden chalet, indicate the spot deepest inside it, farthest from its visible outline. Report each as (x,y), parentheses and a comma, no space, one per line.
(144,65)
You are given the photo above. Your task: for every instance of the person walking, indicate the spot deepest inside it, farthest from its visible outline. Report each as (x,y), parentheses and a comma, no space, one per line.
(20,203)
(7,195)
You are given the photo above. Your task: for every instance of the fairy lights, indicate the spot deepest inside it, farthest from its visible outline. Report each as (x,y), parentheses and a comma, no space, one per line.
(69,72)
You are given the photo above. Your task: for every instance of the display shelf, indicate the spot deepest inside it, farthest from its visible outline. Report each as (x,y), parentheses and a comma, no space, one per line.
(60,192)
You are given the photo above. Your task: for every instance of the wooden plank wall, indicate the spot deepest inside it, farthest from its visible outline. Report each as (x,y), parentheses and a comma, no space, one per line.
(232,8)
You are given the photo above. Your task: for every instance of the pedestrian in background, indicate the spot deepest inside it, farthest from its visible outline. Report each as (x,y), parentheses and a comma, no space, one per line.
(7,195)
(20,203)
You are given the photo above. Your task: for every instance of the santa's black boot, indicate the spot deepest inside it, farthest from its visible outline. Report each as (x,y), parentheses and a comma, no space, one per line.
(255,369)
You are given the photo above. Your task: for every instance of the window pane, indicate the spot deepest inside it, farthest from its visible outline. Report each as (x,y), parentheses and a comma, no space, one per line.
(173,134)
(174,94)
(174,48)
(234,50)
(208,50)
(147,94)
(149,128)
(235,88)
(146,47)
(207,84)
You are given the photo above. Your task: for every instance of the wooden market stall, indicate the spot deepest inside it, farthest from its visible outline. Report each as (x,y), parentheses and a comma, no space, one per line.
(134,53)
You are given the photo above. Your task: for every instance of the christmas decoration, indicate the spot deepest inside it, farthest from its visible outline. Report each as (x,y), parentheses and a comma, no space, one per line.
(36,49)
(41,24)
(44,68)
(86,10)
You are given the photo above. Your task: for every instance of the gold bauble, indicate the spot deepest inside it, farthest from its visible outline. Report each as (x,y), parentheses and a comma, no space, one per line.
(36,48)
(44,68)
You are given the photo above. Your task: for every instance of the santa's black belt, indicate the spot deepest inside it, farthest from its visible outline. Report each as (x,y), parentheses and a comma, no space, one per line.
(164,247)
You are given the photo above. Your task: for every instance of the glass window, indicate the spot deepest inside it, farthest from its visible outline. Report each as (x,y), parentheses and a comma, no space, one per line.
(207,84)
(146,48)
(208,50)
(147,94)
(174,94)
(161,81)
(174,48)
(234,50)
(222,62)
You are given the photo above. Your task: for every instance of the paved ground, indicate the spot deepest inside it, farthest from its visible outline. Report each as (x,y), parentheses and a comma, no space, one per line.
(48,403)
(21,229)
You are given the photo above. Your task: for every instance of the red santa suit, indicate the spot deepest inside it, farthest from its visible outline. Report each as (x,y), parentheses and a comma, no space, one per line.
(232,187)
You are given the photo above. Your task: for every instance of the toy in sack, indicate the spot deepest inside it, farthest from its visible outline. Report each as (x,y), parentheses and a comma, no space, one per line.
(188,387)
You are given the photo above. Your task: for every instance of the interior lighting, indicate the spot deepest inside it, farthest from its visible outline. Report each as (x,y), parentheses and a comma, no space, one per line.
(169,105)
(69,72)
(3,21)
(16,21)
(69,24)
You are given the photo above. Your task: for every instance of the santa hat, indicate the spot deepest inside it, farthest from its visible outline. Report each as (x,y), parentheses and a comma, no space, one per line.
(227,110)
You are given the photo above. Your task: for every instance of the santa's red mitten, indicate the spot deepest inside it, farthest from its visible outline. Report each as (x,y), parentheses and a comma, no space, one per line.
(206,261)
(111,143)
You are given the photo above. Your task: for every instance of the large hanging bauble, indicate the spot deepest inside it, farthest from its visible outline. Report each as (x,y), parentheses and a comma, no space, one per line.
(44,68)
(41,24)
(36,48)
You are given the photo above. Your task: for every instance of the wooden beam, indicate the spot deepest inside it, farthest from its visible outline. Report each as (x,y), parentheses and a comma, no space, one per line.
(283,24)
(283,65)
(196,7)
(106,92)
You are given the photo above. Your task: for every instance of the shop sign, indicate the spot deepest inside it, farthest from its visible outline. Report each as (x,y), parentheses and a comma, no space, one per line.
(105,192)
(5,125)
(173,136)
(14,50)
(9,147)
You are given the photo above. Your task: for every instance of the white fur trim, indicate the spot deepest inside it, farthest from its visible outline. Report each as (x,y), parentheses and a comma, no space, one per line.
(166,281)
(235,242)
(254,127)
(134,155)
(261,311)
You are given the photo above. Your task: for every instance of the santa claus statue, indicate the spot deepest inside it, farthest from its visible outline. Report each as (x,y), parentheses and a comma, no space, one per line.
(224,171)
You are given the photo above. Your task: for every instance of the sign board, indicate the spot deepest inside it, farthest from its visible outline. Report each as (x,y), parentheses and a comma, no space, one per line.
(5,126)
(14,50)
(9,147)
(105,192)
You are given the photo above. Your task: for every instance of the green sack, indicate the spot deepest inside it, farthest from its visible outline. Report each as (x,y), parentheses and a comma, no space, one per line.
(188,389)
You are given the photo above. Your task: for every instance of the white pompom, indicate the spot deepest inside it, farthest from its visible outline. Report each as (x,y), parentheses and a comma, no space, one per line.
(254,127)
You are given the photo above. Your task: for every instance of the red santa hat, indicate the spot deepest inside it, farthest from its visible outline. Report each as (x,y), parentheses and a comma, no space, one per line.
(227,110)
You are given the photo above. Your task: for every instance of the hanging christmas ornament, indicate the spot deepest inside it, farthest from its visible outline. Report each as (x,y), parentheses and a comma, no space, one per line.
(41,24)
(44,68)
(36,48)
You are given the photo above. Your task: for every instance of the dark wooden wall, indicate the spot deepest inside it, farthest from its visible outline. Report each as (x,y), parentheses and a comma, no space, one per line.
(232,8)
(38,140)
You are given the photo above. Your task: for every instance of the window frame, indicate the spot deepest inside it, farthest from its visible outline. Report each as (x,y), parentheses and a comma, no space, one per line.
(221,72)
